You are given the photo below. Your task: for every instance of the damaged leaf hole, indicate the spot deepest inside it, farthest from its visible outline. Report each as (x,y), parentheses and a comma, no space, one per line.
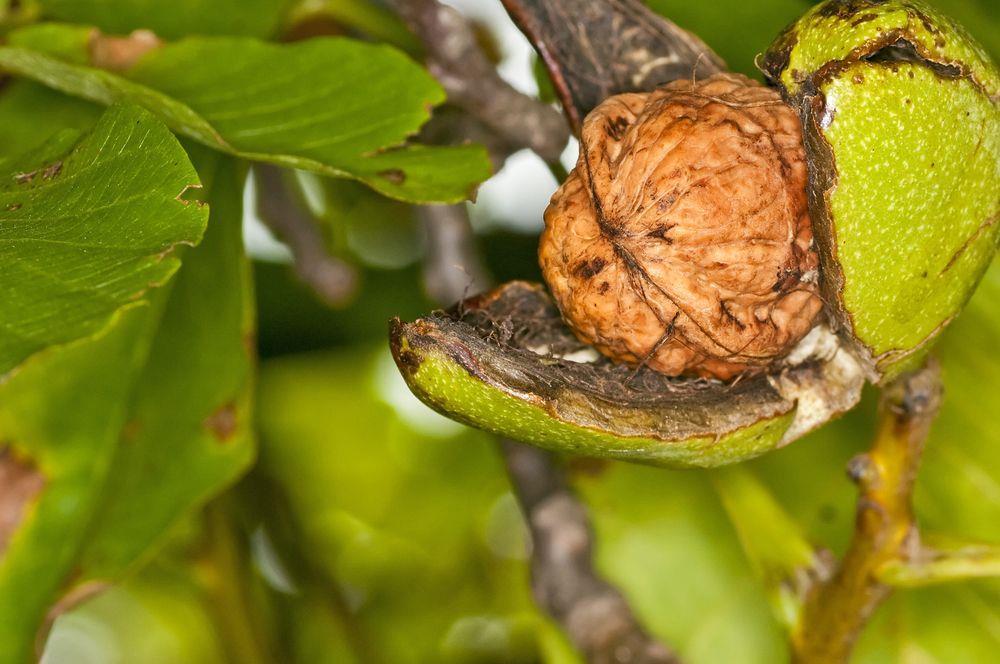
(192,193)
(46,173)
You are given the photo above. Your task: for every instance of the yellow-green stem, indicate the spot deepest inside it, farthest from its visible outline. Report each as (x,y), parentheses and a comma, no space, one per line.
(223,573)
(836,611)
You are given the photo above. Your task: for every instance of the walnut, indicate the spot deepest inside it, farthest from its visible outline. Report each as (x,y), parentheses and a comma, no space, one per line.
(682,240)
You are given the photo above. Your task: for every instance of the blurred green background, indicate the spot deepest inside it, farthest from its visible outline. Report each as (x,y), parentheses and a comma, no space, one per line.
(372,530)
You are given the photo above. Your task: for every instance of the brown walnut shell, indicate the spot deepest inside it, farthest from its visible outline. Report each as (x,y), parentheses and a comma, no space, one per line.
(681,240)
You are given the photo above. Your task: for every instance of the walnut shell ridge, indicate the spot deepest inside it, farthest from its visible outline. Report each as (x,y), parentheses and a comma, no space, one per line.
(682,240)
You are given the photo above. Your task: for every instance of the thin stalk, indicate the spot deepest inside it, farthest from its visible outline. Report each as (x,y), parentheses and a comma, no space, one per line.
(223,573)
(781,555)
(929,567)
(836,611)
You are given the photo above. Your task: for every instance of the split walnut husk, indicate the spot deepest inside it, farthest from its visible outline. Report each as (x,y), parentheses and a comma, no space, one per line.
(681,244)
(749,256)
(505,362)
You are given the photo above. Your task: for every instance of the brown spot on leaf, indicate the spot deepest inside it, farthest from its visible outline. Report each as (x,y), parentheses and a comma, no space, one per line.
(20,484)
(47,173)
(222,424)
(393,175)
(250,343)
(25,178)
(13,206)
(52,170)
(120,53)
(131,431)
(314,25)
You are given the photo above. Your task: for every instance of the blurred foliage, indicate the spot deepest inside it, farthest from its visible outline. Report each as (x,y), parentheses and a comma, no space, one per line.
(174,19)
(370,529)
(364,18)
(378,502)
(737,31)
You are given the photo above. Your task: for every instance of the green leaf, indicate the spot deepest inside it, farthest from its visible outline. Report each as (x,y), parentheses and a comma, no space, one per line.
(333,106)
(66,42)
(173,19)
(128,429)
(735,29)
(958,492)
(979,17)
(172,610)
(30,114)
(772,541)
(189,430)
(376,230)
(422,504)
(161,616)
(370,18)
(87,233)
(664,539)
(61,414)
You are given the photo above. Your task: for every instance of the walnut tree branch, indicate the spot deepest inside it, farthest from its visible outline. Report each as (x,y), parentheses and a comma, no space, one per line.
(837,610)
(452,269)
(593,50)
(455,58)
(595,615)
(283,209)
